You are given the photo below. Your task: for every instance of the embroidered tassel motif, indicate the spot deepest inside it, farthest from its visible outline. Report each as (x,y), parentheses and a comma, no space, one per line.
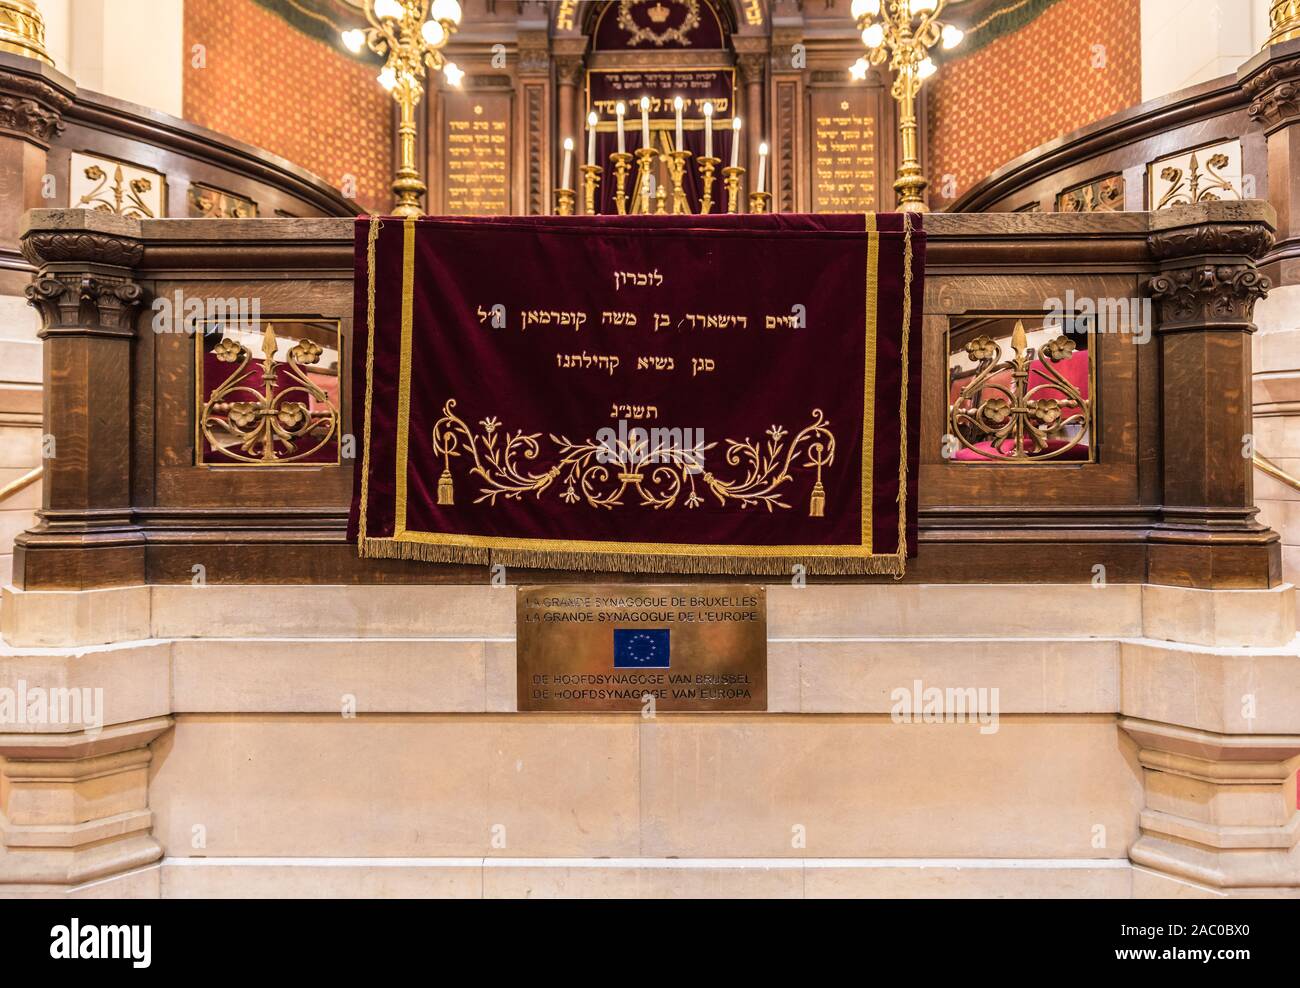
(817,504)
(446,494)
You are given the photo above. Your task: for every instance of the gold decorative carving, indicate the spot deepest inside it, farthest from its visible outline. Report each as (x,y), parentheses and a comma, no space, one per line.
(664,469)
(1182,180)
(1019,423)
(213,203)
(259,412)
(131,191)
(1102,195)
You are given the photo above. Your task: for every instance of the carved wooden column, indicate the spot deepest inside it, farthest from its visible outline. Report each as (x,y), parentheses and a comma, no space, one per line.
(533,120)
(788,182)
(753,66)
(1272,80)
(568,74)
(33,98)
(88,300)
(1204,299)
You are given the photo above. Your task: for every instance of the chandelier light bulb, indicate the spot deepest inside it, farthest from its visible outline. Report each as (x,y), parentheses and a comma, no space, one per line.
(858,70)
(387,78)
(926,69)
(446,10)
(453,74)
(864,8)
(388,9)
(592,119)
(873,36)
(434,34)
(952,36)
(923,6)
(354,40)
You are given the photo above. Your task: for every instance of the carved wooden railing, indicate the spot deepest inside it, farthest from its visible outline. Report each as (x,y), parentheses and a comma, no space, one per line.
(67,146)
(145,487)
(1228,139)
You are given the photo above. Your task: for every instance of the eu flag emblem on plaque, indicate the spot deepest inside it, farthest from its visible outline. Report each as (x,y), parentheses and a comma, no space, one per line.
(641,648)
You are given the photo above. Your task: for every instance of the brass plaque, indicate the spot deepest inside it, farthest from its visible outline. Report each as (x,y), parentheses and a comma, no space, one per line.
(690,647)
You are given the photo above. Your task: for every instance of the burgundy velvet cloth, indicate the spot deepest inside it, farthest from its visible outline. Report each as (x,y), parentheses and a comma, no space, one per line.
(751,265)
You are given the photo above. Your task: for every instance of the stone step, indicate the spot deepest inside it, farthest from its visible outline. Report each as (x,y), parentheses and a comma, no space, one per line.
(1208,617)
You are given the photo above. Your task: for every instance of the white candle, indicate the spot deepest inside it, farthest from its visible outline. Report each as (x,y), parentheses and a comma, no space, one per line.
(592,120)
(621,109)
(762,168)
(708,130)
(645,121)
(568,162)
(677,105)
(735,141)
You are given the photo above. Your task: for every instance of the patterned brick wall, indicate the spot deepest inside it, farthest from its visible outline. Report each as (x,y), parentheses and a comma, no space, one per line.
(271,86)
(1031,86)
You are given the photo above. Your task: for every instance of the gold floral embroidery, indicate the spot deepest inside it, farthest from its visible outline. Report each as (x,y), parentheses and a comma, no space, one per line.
(663,470)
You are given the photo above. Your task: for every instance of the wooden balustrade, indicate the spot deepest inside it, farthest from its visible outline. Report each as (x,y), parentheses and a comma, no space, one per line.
(1163,496)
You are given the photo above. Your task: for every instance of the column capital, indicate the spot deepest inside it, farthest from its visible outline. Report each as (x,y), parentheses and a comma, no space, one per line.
(1207,259)
(534,52)
(33,99)
(1272,81)
(84,259)
(568,68)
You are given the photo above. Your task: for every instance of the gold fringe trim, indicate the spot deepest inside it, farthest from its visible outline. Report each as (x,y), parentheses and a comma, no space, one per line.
(372,235)
(614,562)
(902,411)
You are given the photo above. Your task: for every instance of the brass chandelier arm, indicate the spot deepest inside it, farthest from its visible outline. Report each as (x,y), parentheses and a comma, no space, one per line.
(409,35)
(897,32)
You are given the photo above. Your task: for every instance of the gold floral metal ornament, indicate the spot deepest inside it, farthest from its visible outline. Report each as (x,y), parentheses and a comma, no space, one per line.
(1019,422)
(263,424)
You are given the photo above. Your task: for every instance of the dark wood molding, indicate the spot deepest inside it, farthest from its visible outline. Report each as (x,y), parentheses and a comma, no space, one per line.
(1152,119)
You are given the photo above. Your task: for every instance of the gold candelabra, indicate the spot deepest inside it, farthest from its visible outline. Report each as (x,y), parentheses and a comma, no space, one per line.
(677,173)
(731,182)
(622,165)
(590,183)
(903,36)
(645,158)
(647,200)
(409,34)
(707,166)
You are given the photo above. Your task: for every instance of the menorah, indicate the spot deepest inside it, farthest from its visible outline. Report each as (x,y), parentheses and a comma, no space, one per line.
(643,197)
